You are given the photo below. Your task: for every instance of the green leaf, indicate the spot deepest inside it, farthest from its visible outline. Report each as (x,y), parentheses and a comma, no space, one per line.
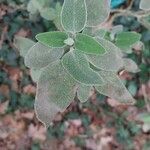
(97,11)
(83,92)
(74,15)
(77,65)
(100,33)
(144,4)
(125,40)
(40,56)
(91,31)
(48,13)
(130,65)
(88,45)
(23,44)
(55,91)
(52,39)
(57,20)
(114,88)
(111,60)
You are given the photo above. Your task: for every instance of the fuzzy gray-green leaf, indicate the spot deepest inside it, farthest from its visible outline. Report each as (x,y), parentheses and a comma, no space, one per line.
(145,4)
(74,15)
(55,91)
(23,44)
(83,92)
(114,88)
(40,56)
(77,65)
(111,60)
(97,11)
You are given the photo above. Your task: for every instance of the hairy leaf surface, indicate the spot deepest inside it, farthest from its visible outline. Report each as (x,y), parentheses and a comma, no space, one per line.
(145,4)
(55,91)
(114,88)
(88,44)
(35,74)
(97,11)
(125,40)
(83,92)
(77,65)
(111,60)
(74,15)
(52,39)
(40,56)
(23,44)
(130,65)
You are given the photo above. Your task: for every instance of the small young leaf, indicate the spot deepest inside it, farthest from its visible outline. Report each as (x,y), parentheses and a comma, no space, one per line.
(125,40)
(55,91)
(111,60)
(23,44)
(114,88)
(83,92)
(97,11)
(40,56)
(74,15)
(88,44)
(52,39)
(77,65)
(144,4)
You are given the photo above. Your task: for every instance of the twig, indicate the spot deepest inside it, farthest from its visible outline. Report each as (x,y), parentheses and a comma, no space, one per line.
(3,36)
(146,99)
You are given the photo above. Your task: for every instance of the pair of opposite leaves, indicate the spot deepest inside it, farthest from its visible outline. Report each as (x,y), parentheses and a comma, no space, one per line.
(57,80)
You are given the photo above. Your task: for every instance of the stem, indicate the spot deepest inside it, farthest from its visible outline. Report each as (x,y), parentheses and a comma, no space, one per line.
(126,12)
(146,99)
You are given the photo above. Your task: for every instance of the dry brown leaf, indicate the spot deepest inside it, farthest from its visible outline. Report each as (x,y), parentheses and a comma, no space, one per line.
(29,89)
(37,132)
(27,115)
(3,107)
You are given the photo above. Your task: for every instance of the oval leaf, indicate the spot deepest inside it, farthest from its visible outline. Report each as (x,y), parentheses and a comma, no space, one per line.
(145,5)
(88,44)
(97,11)
(55,91)
(125,40)
(74,15)
(114,88)
(77,65)
(40,56)
(52,39)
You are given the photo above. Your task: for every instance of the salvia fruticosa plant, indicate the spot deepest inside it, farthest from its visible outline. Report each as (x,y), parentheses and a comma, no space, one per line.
(78,59)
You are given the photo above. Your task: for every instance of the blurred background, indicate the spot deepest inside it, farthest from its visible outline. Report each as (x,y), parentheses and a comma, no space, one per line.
(98,124)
